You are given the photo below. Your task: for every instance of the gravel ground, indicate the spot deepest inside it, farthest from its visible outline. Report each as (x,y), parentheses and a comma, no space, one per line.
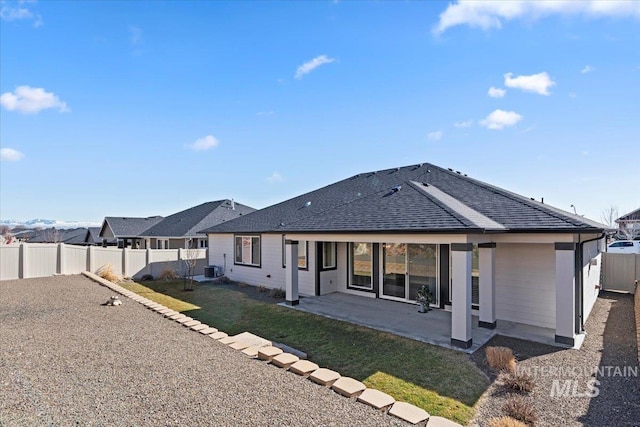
(610,343)
(67,360)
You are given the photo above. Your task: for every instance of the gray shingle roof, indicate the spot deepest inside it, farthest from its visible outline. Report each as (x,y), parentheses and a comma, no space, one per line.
(129,226)
(192,221)
(366,202)
(631,216)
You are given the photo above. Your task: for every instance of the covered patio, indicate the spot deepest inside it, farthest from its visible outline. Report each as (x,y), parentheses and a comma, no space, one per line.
(404,319)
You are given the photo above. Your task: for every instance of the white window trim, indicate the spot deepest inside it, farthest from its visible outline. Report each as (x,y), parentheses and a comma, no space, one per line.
(250,237)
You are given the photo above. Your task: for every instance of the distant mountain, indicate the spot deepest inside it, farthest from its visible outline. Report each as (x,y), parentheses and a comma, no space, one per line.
(48,223)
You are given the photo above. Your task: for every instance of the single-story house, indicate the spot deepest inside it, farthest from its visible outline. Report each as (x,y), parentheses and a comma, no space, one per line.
(127,230)
(481,250)
(92,238)
(182,229)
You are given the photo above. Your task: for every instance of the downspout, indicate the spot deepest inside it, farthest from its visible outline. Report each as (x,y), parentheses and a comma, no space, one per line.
(579,323)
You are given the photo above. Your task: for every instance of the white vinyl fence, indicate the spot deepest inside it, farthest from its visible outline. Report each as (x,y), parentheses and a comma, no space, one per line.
(27,260)
(620,272)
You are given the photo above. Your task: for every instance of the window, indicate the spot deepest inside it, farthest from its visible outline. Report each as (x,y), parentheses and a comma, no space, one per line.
(361,265)
(204,243)
(328,255)
(302,254)
(247,250)
(162,244)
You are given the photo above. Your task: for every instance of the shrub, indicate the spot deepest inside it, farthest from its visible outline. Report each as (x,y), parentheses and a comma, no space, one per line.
(262,289)
(278,293)
(242,285)
(519,408)
(146,278)
(107,273)
(168,274)
(505,422)
(501,359)
(518,381)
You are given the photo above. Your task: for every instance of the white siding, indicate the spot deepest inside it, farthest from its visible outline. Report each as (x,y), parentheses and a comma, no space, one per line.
(525,284)
(590,276)
(271,273)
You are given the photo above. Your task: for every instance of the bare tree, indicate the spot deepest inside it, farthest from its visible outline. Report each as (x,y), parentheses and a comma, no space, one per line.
(53,235)
(191,261)
(608,216)
(5,234)
(629,231)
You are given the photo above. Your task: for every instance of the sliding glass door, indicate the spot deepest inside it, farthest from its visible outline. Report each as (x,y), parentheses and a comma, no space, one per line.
(406,268)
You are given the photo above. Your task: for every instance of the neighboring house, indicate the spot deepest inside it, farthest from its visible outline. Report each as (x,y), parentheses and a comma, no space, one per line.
(73,236)
(126,231)
(481,249)
(183,229)
(629,225)
(92,238)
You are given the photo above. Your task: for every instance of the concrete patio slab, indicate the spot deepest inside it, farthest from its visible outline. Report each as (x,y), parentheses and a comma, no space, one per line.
(284,360)
(348,387)
(376,398)
(324,376)
(218,335)
(303,367)
(208,331)
(268,353)
(403,319)
(408,412)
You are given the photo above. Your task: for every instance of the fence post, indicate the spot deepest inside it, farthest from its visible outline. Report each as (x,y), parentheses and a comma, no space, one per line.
(91,257)
(61,260)
(22,270)
(125,262)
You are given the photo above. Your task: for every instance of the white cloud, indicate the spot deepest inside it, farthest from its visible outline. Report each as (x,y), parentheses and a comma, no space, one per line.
(495,92)
(434,136)
(464,124)
(491,13)
(31,100)
(500,119)
(538,83)
(15,11)
(135,35)
(274,177)
(204,143)
(311,65)
(587,69)
(10,155)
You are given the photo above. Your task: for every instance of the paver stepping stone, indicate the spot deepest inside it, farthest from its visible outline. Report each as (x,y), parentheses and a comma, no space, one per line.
(269,352)
(208,330)
(199,327)
(191,323)
(228,340)
(165,311)
(348,387)
(238,345)
(408,412)
(324,376)
(376,398)
(177,316)
(252,340)
(251,351)
(284,360)
(303,367)
(170,313)
(218,335)
(184,319)
(442,422)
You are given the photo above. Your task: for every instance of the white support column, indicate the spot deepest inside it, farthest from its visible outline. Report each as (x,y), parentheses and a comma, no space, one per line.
(291,249)
(487,285)
(461,295)
(565,292)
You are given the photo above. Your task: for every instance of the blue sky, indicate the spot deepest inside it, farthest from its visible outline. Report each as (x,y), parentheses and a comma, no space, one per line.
(144,108)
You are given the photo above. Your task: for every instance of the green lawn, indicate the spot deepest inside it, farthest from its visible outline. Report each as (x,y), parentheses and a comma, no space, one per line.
(443,382)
